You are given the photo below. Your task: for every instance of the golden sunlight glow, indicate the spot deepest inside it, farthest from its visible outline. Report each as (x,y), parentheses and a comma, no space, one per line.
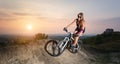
(29,27)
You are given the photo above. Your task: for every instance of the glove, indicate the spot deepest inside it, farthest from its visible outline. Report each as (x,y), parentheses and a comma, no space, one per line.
(65,29)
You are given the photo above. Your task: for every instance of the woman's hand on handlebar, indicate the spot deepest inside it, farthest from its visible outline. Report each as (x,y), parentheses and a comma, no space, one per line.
(65,29)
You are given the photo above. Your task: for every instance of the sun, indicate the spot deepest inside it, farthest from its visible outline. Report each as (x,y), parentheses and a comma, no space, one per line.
(29,26)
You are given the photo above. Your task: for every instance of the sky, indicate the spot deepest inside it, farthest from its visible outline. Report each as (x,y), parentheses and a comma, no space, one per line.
(29,17)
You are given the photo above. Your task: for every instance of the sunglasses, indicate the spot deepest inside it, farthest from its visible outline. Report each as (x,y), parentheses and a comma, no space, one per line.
(80,16)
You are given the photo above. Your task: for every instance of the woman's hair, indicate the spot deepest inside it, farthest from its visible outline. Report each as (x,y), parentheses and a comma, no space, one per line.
(80,14)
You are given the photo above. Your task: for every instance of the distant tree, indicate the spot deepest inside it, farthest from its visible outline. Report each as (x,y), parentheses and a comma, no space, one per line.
(39,36)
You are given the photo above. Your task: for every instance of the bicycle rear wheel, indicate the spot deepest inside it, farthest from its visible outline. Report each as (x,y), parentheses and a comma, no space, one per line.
(51,47)
(76,48)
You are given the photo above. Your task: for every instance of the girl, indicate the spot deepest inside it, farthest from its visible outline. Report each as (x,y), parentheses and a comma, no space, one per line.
(80,27)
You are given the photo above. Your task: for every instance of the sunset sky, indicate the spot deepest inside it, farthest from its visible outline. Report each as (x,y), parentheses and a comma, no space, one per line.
(51,16)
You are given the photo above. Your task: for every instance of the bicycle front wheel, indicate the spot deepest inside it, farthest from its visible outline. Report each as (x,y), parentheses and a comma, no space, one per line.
(51,47)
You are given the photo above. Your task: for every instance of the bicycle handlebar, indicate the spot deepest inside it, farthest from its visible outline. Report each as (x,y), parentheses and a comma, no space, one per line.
(66,30)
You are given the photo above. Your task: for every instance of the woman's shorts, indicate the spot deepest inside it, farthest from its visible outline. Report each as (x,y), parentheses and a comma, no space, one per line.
(79,31)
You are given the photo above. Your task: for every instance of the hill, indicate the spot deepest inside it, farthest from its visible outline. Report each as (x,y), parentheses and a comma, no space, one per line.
(34,53)
(26,50)
(104,42)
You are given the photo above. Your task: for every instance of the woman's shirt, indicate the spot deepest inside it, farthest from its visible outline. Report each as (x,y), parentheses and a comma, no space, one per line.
(79,24)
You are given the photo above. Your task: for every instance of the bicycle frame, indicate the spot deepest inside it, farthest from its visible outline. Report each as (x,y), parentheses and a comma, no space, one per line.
(65,41)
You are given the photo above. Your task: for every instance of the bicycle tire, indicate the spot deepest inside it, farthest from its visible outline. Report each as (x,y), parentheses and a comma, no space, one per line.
(80,45)
(54,43)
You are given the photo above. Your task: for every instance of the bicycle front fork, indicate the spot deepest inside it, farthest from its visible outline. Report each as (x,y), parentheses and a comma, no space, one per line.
(63,43)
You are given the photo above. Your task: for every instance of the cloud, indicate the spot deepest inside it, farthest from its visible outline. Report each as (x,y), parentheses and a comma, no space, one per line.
(33,15)
(3,13)
(6,16)
(16,15)
(21,14)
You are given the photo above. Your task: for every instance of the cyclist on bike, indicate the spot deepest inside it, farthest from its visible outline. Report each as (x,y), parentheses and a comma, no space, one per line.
(80,28)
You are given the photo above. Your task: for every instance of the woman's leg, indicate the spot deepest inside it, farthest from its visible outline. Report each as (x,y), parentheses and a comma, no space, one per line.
(75,40)
(76,37)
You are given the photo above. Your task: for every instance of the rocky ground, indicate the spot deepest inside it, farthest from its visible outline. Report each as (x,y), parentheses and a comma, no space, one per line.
(34,53)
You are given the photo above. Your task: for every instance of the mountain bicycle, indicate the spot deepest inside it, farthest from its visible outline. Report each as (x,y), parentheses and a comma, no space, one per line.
(55,48)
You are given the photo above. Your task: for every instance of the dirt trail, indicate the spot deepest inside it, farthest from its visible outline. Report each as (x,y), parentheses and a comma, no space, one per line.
(33,53)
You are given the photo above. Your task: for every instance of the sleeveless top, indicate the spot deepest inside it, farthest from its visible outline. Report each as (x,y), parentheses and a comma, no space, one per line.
(78,24)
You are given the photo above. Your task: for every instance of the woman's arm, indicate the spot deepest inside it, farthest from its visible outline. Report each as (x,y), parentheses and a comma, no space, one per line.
(71,23)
